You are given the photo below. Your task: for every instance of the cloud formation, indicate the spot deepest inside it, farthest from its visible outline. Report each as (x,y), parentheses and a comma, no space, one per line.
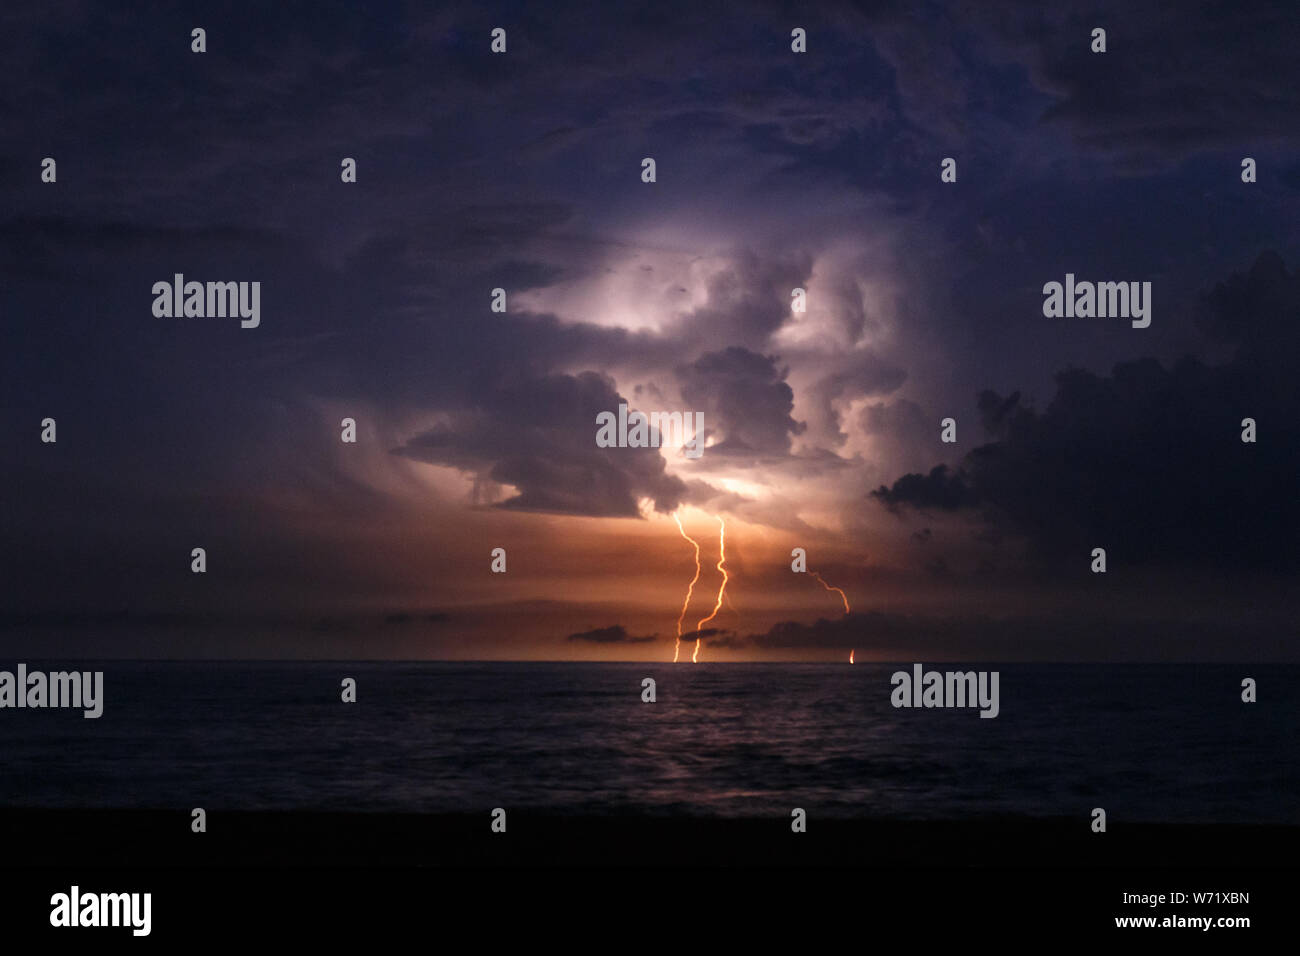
(1148,461)
(538,437)
(614,634)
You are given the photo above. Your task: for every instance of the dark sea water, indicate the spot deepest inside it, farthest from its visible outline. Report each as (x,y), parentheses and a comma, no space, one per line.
(1147,742)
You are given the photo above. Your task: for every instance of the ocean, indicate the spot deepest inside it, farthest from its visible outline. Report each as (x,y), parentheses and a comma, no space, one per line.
(1152,743)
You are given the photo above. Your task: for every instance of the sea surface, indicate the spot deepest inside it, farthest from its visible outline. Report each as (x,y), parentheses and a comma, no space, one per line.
(1147,742)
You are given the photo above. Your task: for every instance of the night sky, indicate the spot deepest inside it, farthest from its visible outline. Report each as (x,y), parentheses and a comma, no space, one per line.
(774,170)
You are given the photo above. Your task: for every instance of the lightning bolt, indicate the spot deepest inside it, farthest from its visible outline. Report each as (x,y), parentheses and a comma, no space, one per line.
(722,588)
(843,596)
(690,590)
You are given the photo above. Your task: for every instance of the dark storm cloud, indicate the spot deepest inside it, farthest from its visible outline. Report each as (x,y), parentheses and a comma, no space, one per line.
(508,222)
(709,635)
(901,417)
(281,94)
(729,640)
(940,490)
(1067,637)
(540,437)
(615,634)
(1148,461)
(521,171)
(902,433)
(1174,79)
(996,411)
(56,246)
(745,401)
(1257,312)
(750,299)
(868,375)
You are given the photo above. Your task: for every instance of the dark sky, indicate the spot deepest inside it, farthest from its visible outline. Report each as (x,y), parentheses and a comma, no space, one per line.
(775,170)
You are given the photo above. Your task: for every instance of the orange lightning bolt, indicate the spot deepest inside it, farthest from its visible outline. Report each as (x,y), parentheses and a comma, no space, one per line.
(722,588)
(843,596)
(690,590)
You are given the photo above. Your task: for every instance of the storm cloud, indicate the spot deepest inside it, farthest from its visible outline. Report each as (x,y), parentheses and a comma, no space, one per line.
(1148,461)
